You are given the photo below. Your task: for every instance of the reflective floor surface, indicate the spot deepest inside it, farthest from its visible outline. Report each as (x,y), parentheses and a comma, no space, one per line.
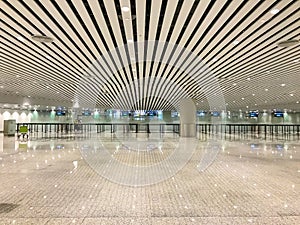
(149,179)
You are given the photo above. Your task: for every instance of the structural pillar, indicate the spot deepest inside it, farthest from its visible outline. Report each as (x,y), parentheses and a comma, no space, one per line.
(187,118)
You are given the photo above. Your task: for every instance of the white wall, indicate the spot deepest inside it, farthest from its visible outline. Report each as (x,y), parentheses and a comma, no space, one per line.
(19,116)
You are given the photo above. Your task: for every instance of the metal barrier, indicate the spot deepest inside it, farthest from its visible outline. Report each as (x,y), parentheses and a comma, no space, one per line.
(249,128)
(263,129)
(100,127)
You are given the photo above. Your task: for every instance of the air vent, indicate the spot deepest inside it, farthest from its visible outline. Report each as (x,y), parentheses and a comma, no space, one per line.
(288,43)
(42,38)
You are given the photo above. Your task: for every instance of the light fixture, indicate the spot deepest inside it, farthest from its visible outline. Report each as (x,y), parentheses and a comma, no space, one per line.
(274,11)
(297,102)
(42,38)
(266,89)
(235,42)
(282,85)
(234,84)
(215,59)
(291,94)
(253,94)
(243,98)
(20,38)
(125,9)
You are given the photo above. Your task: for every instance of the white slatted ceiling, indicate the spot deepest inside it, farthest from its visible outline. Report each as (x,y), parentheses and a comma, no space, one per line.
(69,68)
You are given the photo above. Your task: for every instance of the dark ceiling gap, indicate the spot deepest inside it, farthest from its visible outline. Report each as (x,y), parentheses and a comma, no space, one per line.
(51,71)
(62,30)
(123,33)
(247,27)
(231,17)
(42,58)
(72,7)
(257,51)
(205,32)
(274,42)
(87,6)
(108,24)
(46,45)
(252,10)
(158,32)
(186,23)
(170,32)
(254,67)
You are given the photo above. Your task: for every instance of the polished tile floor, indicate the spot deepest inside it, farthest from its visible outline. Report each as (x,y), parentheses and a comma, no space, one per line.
(149,179)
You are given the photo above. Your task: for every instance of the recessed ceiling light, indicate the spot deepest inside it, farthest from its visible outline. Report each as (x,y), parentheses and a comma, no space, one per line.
(48,57)
(235,42)
(215,59)
(266,89)
(274,11)
(248,78)
(282,85)
(291,94)
(247,106)
(234,84)
(297,102)
(125,9)
(29,96)
(20,38)
(297,60)
(243,98)
(1,86)
(253,94)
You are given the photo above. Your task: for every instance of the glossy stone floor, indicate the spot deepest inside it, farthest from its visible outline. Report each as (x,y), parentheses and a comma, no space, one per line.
(149,179)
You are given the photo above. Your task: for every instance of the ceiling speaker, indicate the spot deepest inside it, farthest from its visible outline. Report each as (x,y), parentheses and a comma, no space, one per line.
(288,43)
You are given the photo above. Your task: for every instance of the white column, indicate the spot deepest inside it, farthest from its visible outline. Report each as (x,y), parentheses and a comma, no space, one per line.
(187,118)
